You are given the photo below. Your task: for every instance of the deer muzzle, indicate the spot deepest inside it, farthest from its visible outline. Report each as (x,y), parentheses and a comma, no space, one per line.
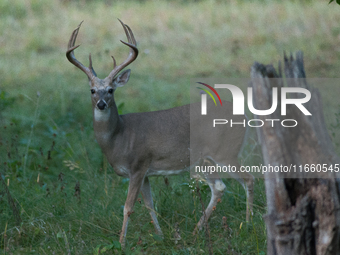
(101,104)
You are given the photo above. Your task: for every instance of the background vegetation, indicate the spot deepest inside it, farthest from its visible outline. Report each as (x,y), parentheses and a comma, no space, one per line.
(69,199)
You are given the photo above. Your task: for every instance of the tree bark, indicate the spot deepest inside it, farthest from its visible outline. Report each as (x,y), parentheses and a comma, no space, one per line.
(303,212)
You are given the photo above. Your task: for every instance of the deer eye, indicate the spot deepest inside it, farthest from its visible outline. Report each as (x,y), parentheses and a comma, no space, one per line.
(110,91)
(93,91)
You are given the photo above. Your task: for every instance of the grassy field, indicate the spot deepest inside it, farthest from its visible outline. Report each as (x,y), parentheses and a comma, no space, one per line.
(70,201)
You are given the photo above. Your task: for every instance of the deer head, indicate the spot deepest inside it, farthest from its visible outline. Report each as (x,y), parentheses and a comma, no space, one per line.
(102,90)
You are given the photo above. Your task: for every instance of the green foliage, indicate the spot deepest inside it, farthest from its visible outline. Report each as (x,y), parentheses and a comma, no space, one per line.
(115,246)
(337,1)
(5,100)
(13,8)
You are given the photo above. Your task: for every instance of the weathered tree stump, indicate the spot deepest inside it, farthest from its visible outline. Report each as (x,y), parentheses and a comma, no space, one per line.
(303,213)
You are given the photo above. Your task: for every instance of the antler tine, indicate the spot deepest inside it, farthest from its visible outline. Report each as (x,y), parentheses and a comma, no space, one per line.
(125,30)
(132,54)
(114,62)
(90,65)
(74,34)
(131,35)
(70,54)
(131,39)
(90,61)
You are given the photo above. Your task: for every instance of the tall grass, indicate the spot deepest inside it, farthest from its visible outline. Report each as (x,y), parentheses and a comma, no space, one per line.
(70,199)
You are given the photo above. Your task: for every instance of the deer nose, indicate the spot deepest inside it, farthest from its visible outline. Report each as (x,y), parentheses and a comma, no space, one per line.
(101,105)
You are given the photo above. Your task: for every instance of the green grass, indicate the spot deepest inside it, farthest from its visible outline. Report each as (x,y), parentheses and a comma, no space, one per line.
(178,41)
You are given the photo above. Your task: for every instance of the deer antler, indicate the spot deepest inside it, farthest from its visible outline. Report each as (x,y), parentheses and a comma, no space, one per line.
(132,54)
(89,71)
(70,55)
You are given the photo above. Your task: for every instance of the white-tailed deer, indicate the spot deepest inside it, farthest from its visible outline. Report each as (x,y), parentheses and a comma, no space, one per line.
(140,145)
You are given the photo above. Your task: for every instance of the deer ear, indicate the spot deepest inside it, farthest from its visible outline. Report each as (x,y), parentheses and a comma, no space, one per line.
(121,79)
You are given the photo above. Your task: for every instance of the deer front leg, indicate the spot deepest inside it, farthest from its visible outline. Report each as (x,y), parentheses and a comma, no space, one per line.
(135,184)
(147,197)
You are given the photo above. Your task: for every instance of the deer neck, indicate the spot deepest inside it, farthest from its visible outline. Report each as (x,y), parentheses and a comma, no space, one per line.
(106,124)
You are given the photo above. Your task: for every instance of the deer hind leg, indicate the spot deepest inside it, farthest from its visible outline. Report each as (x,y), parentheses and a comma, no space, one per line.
(147,197)
(247,181)
(135,184)
(217,188)
(249,187)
